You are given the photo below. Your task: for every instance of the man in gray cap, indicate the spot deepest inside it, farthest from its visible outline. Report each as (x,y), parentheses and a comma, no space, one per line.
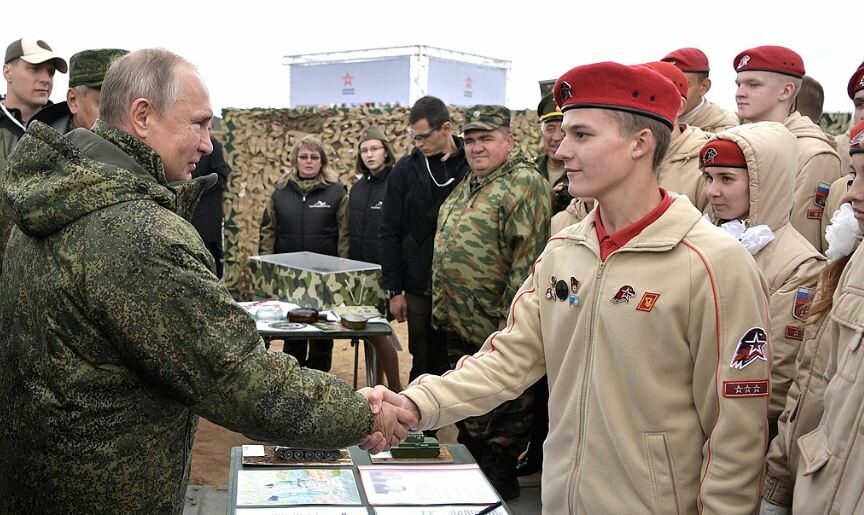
(28,69)
(81,108)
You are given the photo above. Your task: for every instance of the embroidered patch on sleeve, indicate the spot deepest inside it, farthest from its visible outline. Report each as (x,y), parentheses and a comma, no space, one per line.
(814,214)
(803,298)
(795,332)
(750,347)
(753,388)
(822,190)
(648,301)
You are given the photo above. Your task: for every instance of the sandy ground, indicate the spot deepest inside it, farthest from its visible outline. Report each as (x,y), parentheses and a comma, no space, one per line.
(212,449)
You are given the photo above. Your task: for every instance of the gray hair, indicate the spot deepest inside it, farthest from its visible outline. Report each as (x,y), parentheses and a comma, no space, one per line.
(148,73)
(81,89)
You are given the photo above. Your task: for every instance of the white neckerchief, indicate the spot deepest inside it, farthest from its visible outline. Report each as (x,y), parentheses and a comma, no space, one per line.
(753,238)
(11,117)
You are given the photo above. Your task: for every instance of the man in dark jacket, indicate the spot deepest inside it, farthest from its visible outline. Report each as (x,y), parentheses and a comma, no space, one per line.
(416,188)
(208,215)
(116,335)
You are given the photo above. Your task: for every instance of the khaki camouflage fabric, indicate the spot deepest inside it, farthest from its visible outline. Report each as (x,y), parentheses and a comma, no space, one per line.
(117,336)
(489,233)
(8,140)
(315,290)
(486,118)
(88,67)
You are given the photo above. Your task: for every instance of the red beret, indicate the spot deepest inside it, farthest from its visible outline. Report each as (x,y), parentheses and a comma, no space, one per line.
(690,60)
(722,152)
(856,82)
(608,85)
(856,138)
(775,59)
(671,72)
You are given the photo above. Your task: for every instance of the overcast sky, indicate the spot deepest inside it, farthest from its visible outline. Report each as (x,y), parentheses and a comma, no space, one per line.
(238,46)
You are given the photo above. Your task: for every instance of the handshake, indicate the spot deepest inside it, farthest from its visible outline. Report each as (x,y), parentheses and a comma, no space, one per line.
(394,417)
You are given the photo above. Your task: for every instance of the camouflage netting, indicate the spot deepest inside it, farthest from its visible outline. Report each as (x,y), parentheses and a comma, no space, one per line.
(835,123)
(257,145)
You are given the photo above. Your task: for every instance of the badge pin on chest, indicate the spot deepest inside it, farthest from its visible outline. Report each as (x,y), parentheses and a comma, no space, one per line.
(561,291)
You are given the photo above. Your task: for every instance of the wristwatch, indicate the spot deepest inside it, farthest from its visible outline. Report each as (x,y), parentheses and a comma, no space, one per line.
(389,294)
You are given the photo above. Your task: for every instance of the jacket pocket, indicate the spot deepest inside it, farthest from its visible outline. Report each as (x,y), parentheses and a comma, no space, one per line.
(814,451)
(487,307)
(662,473)
(848,313)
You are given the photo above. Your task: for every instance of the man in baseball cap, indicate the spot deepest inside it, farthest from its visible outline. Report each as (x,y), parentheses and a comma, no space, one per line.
(699,112)
(769,79)
(28,70)
(81,108)
(649,323)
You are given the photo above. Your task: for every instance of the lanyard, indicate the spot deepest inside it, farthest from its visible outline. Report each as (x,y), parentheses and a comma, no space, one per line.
(15,120)
(446,183)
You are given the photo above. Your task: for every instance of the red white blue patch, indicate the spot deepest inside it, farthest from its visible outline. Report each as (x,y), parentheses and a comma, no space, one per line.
(803,298)
(750,347)
(822,190)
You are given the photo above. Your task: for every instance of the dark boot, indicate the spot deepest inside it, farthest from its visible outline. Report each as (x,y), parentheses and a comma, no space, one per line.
(501,470)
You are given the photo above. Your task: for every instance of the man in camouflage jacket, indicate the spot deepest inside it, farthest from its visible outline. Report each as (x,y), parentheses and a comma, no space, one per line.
(490,230)
(116,334)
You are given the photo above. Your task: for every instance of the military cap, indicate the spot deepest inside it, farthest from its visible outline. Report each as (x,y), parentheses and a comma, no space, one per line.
(856,138)
(723,153)
(671,72)
(688,60)
(608,85)
(547,110)
(34,51)
(769,58)
(486,118)
(88,67)
(856,82)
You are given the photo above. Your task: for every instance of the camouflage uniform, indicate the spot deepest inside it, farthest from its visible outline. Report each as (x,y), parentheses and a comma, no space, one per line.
(490,230)
(117,336)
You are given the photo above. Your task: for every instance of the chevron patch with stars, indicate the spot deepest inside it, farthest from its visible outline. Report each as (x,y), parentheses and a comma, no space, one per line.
(753,388)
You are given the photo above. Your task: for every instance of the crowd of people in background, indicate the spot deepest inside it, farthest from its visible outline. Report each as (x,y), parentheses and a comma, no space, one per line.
(662,313)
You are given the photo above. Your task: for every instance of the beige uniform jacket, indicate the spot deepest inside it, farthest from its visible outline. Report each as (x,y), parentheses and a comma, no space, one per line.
(657,371)
(842,142)
(576,211)
(789,264)
(679,171)
(830,476)
(818,167)
(804,407)
(710,117)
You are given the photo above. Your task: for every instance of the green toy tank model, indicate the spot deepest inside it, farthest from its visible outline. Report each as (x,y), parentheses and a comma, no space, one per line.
(417,446)
(295,454)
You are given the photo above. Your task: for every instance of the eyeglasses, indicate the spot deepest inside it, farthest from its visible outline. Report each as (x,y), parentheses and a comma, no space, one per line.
(308,157)
(422,137)
(370,150)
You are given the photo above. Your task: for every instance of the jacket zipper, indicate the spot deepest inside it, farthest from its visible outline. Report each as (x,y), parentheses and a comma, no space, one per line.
(303,225)
(585,381)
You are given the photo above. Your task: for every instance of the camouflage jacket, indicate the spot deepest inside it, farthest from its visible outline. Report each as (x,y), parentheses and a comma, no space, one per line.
(10,133)
(117,335)
(489,233)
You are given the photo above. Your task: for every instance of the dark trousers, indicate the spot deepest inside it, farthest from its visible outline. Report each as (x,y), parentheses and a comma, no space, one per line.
(497,438)
(215,248)
(426,345)
(320,353)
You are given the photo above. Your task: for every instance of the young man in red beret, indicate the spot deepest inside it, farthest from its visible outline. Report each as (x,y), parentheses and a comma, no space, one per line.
(769,79)
(699,112)
(649,322)
(679,171)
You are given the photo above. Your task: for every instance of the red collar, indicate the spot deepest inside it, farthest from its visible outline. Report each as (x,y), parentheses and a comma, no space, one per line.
(609,243)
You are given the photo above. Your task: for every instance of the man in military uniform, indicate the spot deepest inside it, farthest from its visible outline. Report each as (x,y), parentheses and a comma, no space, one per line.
(552,168)
(28,69)
(490,229)
(81,108)
(769,79)
(116,334)
(699,112)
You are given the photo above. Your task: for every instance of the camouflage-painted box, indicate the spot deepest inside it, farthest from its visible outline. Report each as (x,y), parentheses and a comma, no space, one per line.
(315,280)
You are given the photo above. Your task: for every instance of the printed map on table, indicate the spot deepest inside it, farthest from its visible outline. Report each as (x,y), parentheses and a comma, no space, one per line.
(296,486)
